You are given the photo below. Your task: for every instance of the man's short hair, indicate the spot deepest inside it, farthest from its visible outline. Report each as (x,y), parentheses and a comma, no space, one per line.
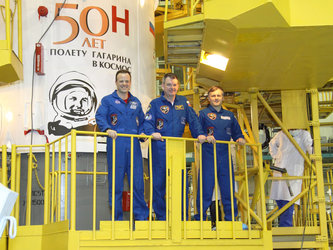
(123,71)
(171,76)
(214,88)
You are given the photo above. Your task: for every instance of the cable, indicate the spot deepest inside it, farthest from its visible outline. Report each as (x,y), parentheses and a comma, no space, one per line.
(35,167)
(33,71)
(265,144)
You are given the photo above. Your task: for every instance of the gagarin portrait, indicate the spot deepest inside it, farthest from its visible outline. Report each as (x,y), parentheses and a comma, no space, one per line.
(74,100)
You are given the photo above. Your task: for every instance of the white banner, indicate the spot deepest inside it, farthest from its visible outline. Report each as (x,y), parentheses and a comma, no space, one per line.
(84,47)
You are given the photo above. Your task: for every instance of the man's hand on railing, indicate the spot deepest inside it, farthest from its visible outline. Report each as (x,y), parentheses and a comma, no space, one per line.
(143,139)
(157,136)
(211,139)
(241,141)
(201,139)
(112,133)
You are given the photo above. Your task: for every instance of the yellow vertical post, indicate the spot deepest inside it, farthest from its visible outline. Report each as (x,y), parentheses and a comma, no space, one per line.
(318,165)
(216,195)
(262,190)
(184,190)
(46,185)
(18,184)
(166,10)
(200,186)
(113,188)
(94,186)
(196,107)
(150,189)
(59,182)
(52,182)
(4,165)
(19,29)
(73,181)
(196,97)
(167,183)
(131,191)
(29,183)
(247,193)
(13,179)
(184,77)
(176,155)
(255,129)
(254,113)
(8,30)
(66,177)
(231,181)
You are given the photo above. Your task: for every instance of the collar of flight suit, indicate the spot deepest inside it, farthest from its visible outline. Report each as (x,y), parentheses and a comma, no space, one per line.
(121,108)
(116,96)
(165,100)
(214,110)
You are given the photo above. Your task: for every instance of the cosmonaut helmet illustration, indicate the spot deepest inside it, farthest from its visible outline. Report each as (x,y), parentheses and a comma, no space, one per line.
(73,97)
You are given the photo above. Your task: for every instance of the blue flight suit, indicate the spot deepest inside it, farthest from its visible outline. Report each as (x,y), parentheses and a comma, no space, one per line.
(223,126)
(286,218)
(126,118)
(168,120)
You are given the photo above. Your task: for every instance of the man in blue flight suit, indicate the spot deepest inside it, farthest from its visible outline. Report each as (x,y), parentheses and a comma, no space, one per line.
(167,116)
(121,112)
(218,124)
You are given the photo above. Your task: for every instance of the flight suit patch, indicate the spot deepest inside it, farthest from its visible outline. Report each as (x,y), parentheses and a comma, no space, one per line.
(183,120)
(210,131)
(225,117)
(133,105)
(188,103)
(179,107)
(114,119)
(137,121)
(165,109)
(159,124)
(211,116)
(148,117)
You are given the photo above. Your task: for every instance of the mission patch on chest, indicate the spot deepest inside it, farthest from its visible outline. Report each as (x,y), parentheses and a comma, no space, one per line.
(211,116)
(165,109)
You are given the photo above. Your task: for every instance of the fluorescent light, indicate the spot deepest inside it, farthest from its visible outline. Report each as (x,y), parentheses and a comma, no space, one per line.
(9,116)
(214,60)
(142,3)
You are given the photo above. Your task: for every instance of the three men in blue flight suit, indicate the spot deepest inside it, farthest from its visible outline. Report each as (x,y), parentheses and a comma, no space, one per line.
(218,124)
(167,116)
(121,112)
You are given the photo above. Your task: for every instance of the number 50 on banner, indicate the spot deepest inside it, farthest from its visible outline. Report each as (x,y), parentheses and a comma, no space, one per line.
(84,23)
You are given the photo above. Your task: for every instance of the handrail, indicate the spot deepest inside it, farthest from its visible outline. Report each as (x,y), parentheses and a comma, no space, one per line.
(58,152)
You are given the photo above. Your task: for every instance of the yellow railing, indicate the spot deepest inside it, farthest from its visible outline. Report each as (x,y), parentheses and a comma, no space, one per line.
(9,21)
(63,151)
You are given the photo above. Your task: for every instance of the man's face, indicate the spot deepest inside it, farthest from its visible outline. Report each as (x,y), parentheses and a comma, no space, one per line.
(123,83)
(215,98)
(74,101)
(170,87)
